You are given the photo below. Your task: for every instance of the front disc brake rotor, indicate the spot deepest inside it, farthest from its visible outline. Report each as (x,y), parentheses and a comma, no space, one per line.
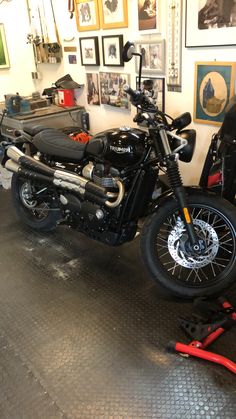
(206,233)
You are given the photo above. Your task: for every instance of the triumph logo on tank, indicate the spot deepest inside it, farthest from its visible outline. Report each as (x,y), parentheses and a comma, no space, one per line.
(120,150)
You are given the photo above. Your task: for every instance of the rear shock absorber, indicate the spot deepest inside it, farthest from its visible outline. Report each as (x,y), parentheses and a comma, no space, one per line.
(176,185)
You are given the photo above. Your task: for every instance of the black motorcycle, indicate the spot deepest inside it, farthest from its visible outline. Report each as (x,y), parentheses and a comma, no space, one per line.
(109,189)
(219,170)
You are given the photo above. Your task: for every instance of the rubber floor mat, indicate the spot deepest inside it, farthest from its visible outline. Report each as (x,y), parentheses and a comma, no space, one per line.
(83,332)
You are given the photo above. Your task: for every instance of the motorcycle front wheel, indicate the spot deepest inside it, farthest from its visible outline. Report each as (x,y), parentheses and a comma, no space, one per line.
(167,252)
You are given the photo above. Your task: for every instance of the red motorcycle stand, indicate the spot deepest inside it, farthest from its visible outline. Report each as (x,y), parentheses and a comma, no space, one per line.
(204,333)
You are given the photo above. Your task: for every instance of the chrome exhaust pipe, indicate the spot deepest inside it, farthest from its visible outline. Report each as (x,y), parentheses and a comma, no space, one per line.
(12,166)
(14,153)
(29,167)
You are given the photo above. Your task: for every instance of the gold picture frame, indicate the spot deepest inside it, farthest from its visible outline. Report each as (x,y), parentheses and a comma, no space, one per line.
(213,88)
(87,15)
(4,57)
(113,15)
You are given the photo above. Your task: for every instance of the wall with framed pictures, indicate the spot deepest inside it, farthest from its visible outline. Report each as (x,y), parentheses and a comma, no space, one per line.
(95,37)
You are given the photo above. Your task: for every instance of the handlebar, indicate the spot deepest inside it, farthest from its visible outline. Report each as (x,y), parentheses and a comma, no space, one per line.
(134,94)
(139,98)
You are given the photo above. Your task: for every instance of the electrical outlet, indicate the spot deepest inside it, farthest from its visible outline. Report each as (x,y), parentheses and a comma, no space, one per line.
(35,75)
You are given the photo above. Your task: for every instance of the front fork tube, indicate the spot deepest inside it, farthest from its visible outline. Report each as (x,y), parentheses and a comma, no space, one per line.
(177,186)
(186,216)
(179,191)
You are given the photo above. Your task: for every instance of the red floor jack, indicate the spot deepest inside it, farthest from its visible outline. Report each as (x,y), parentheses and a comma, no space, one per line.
(214,320)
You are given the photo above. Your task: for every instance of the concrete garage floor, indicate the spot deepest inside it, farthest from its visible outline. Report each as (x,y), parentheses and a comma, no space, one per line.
(83,333)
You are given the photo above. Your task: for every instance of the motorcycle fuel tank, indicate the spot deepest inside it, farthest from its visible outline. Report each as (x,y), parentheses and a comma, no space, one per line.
(122,146)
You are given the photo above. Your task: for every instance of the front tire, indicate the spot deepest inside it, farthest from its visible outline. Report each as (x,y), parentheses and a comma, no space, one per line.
(167,254)
(35,210)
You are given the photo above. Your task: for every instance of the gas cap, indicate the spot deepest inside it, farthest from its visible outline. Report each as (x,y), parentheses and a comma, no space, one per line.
(124,128)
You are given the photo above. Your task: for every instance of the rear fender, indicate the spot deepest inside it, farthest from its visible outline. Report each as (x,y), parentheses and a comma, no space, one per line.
(169,196)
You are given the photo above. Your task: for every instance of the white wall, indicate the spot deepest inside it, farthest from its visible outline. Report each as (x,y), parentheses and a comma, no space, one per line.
(18,77)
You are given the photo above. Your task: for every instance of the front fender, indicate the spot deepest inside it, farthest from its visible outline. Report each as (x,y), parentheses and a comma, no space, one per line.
(168,196)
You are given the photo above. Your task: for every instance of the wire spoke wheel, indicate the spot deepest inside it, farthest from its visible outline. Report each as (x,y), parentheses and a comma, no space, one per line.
(174,251)
(28,194)
(35,204)
(169,257)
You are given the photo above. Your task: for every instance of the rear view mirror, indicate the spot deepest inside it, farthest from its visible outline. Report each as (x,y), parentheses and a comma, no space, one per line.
(128,51)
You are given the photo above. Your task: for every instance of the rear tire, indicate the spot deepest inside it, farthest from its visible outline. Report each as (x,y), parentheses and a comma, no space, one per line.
(48,220)
(166,253)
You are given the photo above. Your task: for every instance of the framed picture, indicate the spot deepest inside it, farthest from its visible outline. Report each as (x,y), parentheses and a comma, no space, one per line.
(112,47)
(4,58)
(111,89)
(89,51)
(93,96)
(214,86)
(113,14)
(153,55)
(210,23)
(154,88)
(87,15)
(72,59)
(149,15)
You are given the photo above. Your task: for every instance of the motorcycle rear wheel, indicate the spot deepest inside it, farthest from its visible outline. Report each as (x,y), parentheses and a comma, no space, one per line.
(42,214)
(166,250)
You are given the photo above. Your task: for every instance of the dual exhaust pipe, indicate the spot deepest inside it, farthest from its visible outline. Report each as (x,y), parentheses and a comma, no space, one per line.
(29,168)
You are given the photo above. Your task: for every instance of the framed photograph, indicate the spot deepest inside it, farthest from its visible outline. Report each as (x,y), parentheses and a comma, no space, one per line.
(72,59)
(149,15)
(87,15)
(153,55)
(111,89)
(112,47)
(210,23)
(4,58)
(154,88)
(93,96)
(113,14)
(214,86)
(89,51)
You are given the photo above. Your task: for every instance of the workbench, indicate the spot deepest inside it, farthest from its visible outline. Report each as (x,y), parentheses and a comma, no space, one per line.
(51,116)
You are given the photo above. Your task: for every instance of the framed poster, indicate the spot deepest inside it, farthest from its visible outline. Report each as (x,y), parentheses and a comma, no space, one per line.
(113,14)
(154,88)
(87,15)
(93,96)
(111,89)
(210,23)
(89,51)
(112,47)
(214,86)
(4,58)
(153,56)
(149,15)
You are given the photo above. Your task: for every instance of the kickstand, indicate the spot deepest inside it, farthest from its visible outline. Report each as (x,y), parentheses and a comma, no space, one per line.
(205,329)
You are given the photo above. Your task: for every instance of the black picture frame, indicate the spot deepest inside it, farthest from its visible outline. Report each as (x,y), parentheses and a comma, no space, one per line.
(115,43)
(159,87)
(197,33)
(89,51)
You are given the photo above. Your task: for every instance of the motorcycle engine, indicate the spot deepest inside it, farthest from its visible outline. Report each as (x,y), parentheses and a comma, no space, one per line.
(101,174)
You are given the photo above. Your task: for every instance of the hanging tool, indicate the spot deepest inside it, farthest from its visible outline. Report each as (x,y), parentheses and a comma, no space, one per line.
(44,24)
(42,43)
(33,38)
(55,24)
(71,8)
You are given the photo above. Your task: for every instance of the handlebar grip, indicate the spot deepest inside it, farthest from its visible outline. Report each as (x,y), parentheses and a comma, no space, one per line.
(133,93)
